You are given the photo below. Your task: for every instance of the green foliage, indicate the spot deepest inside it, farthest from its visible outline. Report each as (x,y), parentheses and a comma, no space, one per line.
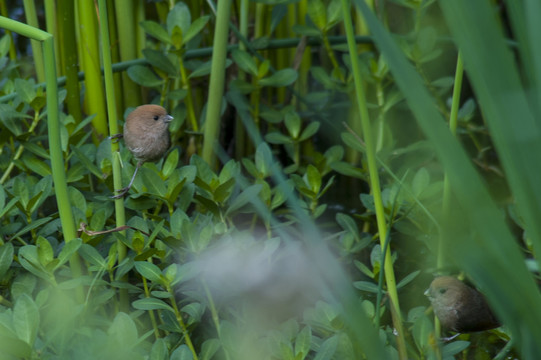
(276,253)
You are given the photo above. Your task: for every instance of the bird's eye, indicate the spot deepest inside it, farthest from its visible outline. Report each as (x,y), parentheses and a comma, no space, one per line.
(442,291)
(156,117)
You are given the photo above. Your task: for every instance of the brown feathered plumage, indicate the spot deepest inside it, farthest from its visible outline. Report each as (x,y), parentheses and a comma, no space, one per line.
(146,135)
(460,307)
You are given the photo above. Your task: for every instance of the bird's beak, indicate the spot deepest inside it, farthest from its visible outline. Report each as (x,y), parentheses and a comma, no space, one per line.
(427,292)
(168,118)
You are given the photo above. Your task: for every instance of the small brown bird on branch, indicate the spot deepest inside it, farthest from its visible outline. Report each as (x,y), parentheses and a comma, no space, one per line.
(460,307)
(146,135)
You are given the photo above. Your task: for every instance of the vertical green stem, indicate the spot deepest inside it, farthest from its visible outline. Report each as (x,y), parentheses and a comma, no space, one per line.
(66,24)
(57,161)
(50,19)
(217,80)
(190,111)
(90,50)
(127,31)
(113,129)
(374,181)
(185,332)
(32,20)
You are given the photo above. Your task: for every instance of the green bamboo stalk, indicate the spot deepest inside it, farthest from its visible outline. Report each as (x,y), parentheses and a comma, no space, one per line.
(127,31)
(37,51)
(69,61)
(113,129)
(217,80)
(57,161)
(51,24)
(94,94)
(374,181)
(114,41)
(140,33)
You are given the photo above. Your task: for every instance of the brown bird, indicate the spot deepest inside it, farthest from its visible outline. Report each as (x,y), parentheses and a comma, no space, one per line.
(459,307)
(146,135)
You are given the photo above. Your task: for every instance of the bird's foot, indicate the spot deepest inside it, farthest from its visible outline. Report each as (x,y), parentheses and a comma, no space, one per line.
(115,137)
(121,192)
(449,338)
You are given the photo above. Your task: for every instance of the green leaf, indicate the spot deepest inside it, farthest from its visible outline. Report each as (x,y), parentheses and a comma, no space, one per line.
(45,251)
(152,304)
(366,286)
(263,159)
(334,13)
(35,165)
(33,225)
(409,278)
(278,138)
(142,75)
(68,250)
(25,90)
(420,181)
(196,27)
(6,258)
(155,30)
(170,163)
(159,350)
(245,197)
(90,254)
(149,271)
(280,78)
(318,13)
(245,61)
(5,43)
(313,178)
(309,131)
(303,342)
(160,61)
(26,319)
(179,16)
(182,353)
(454,348)
(223,191)
(153,182)
(209,348)
(347,169)
(263,69)
(123,331)
(347,223)
(327,349)
(422,328)
(293,124)
(89,164)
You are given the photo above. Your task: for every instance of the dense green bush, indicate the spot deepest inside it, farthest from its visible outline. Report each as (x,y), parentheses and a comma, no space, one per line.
(308,198)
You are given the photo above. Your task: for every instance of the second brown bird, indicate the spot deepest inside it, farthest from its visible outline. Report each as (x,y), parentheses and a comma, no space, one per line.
(460,307)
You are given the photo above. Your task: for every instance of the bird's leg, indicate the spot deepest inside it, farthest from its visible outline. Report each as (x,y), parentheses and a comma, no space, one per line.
(123,191)
(115,137)
(447,339)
